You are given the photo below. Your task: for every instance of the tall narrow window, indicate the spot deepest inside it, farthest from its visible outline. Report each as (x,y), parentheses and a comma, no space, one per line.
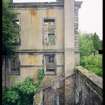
(18,26)
(49,32)
(50,64)
(15,65)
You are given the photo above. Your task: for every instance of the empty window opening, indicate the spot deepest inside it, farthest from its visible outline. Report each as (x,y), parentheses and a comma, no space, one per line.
(50,64)
(15,65)
(49,32)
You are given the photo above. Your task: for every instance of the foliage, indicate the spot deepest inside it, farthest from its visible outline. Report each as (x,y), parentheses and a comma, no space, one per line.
(96,42)
(28,86)
(22,93)
(10,29)
(92,63)
(10,97)
(86,45)
(89,44)
(41,74)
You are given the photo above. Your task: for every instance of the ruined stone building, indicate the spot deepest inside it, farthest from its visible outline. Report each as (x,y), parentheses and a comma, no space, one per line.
(48,36)
(49,39)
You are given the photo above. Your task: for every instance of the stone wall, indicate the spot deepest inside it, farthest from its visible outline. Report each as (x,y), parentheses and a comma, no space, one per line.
(88,89)
(5,72)
(31,52)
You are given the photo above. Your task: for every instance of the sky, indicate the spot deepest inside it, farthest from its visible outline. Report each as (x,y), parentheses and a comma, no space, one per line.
(90,15)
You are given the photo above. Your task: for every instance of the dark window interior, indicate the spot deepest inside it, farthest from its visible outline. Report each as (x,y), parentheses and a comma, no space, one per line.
(51,58)
(51,70)
(15,65)
(49,20)
(49,32)
(50,62)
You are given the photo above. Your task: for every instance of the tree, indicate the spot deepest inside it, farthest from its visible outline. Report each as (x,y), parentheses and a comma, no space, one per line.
(96,42)
(10,29)
(90,43)
(86,44)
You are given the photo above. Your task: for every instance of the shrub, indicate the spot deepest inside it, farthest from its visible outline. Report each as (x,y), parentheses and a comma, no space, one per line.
(10,97)
(22,93)
(92,63)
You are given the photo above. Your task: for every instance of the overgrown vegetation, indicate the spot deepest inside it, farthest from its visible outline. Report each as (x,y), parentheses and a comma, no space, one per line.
(89,57)
(22,93)
(10,29)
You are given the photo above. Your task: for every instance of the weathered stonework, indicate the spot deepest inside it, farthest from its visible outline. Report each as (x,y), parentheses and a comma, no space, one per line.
(64,87)
(69,46)
(88,88)
(76,11)
(38,98)
(32,50)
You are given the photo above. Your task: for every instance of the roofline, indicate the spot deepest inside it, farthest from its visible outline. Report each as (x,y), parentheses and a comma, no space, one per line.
(38,4)
(43,4)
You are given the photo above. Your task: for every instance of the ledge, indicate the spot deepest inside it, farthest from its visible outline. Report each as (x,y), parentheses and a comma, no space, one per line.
(40,51)
(44,50)
(37,4)
(91,76)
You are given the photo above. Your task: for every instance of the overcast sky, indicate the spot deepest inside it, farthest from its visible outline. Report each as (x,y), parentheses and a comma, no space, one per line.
(90,15)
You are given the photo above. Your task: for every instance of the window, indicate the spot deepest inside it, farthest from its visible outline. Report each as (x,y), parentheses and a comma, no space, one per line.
(50,58)
(17,22)
(49,32)
(49,61)
(18,26)
(15,65)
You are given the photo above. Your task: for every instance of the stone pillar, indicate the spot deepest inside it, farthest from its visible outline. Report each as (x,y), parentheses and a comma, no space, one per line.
(77,6)
(77,53)
(69,53)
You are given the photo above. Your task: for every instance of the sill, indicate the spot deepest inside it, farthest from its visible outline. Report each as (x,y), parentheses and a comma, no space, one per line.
(12,73)
(50,73)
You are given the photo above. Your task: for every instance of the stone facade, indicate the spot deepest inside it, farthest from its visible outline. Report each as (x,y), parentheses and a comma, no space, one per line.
(31,52)
(49,39)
